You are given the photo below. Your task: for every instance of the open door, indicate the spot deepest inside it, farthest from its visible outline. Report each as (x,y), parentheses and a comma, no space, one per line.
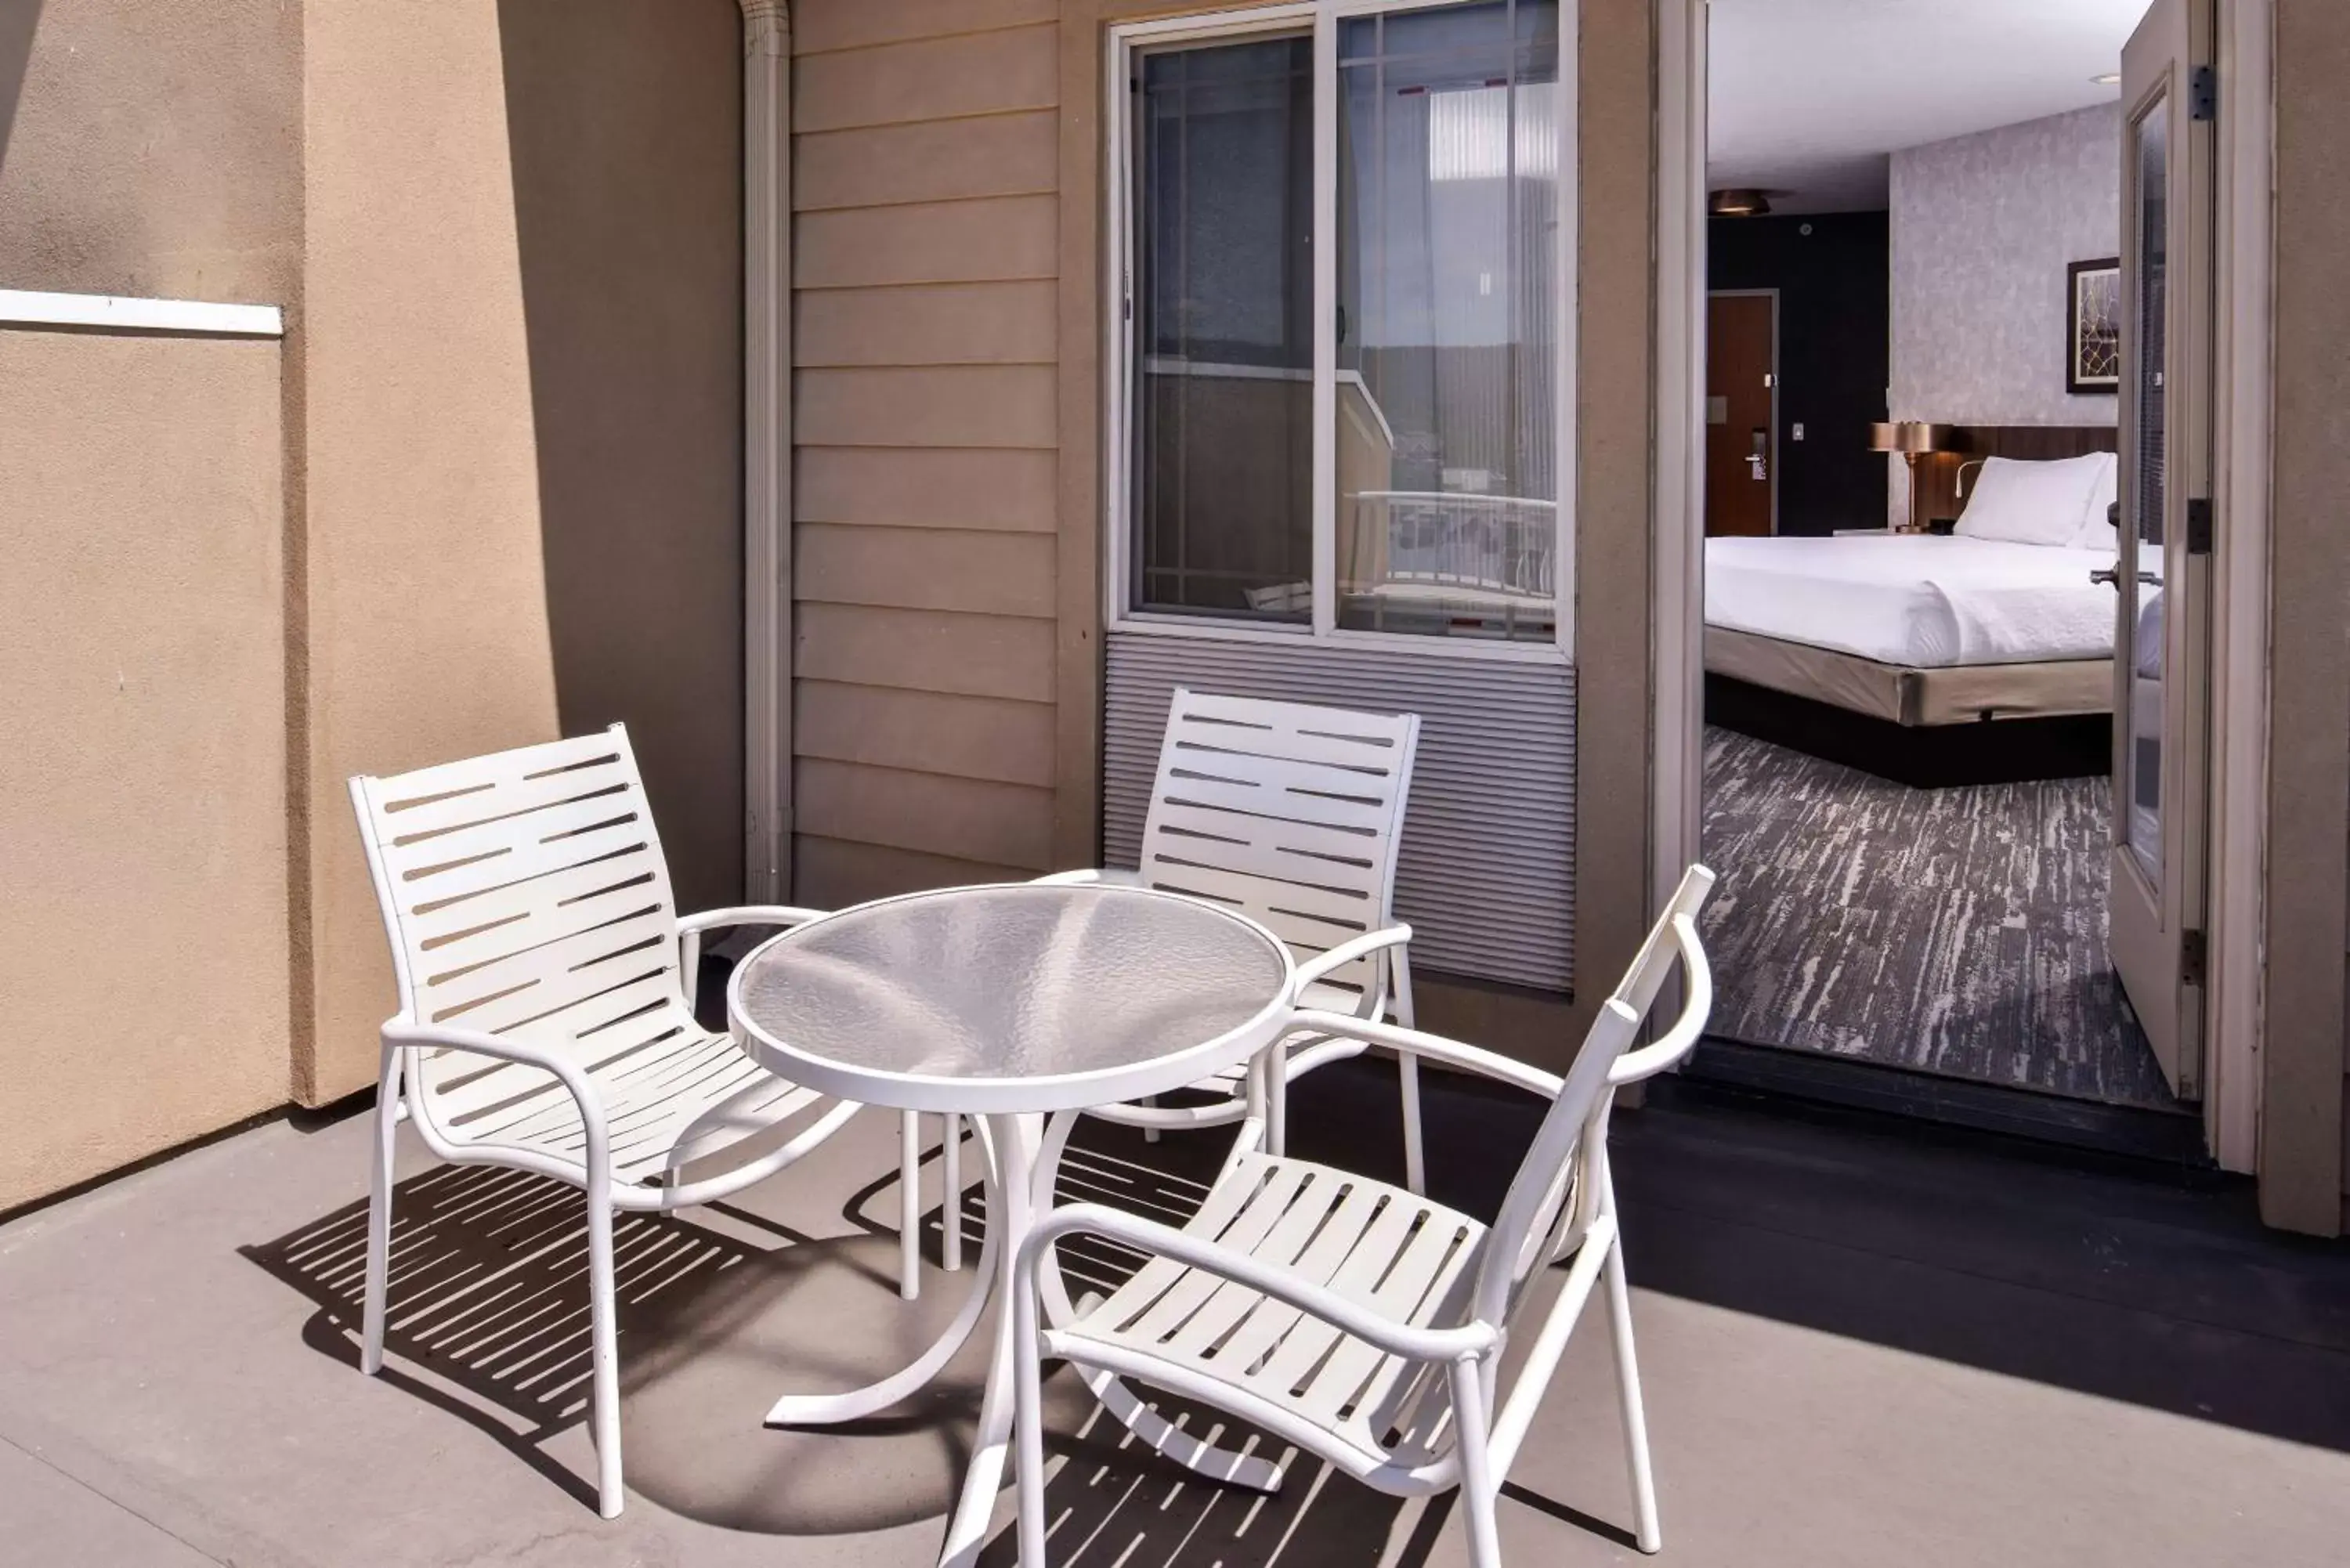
(2162,649)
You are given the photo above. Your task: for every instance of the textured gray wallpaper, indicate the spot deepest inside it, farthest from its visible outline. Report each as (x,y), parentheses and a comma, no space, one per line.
(1983,226)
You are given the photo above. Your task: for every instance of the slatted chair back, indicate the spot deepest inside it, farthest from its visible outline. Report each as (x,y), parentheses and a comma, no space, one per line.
(1287,811)
(527,898)
(1546,1203)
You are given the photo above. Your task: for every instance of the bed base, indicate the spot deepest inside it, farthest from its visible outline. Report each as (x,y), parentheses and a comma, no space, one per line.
(1923,757)
(1909,695)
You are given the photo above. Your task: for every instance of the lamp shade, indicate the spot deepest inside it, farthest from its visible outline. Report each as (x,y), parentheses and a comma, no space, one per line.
(1909,436)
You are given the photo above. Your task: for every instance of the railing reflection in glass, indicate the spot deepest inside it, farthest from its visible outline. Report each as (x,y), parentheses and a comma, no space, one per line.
(1448,344)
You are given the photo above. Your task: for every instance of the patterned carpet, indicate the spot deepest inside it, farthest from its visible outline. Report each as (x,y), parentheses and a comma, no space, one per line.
(1959,931)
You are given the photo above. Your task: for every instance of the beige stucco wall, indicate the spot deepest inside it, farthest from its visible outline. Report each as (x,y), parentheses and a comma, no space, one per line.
(624,132)
(495,468)
(2303,1118)
(147,147)
(142,822)
(426,603)
(522,360)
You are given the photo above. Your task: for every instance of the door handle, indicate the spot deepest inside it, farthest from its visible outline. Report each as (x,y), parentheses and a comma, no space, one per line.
(2112,577)
(1757,464)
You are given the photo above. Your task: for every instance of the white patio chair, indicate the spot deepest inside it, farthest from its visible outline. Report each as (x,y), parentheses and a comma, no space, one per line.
(546,1021)
(1292,814)
(1360,1323)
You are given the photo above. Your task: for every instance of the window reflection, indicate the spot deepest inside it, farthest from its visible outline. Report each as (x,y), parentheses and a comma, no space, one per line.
(1224,392)
(1447,199)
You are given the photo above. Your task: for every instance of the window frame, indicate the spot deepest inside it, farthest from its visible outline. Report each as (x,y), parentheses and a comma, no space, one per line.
(1320,19)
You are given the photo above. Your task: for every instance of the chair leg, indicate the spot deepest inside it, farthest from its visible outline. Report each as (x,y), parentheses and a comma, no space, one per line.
(1276,1104)
(378,1243)
(1028,1423)
(1415,1147)
(1479,1486)
(909,1205)
(604,1357)
(1627,1392)
(951,1169)
(1415,1158)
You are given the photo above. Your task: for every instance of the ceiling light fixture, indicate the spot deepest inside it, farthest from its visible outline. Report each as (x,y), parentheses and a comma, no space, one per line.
(1737,203)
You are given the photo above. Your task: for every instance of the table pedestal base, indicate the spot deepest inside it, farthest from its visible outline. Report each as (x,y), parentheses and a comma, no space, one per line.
(1012,1144)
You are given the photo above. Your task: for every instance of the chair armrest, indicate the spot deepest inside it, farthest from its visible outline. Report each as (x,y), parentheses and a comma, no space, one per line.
(1438,1344)
(1633,1065)
(1346,952)
(1413,1042)
(408,1033)
(689,930)
(1696,1005)
(748,915)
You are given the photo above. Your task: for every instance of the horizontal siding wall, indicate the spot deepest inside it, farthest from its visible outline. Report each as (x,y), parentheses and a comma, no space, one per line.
(925,236)
(1486,875)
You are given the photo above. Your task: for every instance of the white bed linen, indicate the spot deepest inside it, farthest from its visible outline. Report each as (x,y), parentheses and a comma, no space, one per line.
(1931,601)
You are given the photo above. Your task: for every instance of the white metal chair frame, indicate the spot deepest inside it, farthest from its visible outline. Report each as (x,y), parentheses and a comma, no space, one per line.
(1292,814)
(501,879)
(1416,1375)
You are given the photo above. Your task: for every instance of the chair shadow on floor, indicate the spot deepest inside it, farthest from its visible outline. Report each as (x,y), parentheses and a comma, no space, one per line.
(488,1322)
(722,1311)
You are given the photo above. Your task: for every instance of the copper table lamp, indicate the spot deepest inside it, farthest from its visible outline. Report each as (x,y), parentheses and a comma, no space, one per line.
(1912,438)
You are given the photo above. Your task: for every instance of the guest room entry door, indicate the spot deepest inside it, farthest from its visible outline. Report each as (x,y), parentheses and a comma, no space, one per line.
(1741,418)
(2162,652)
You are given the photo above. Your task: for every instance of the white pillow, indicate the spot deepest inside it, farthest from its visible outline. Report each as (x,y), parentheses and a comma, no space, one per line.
(2031,502)
(2097,532)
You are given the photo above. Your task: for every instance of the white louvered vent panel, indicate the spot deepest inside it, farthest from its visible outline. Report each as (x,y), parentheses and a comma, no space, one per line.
(1486,878)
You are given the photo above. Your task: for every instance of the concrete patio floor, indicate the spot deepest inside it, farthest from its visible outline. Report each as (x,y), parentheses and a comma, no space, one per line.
(1859,1348)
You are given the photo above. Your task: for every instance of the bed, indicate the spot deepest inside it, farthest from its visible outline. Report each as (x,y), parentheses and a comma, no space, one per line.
(1874,648)
(1914,629)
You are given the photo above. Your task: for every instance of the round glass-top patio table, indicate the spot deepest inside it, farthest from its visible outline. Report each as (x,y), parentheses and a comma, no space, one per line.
(1004,1003)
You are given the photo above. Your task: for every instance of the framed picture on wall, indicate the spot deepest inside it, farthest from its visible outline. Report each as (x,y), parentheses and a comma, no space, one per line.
(2093,326)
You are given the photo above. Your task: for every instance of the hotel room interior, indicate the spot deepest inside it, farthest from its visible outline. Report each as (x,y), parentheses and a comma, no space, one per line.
(1910,596)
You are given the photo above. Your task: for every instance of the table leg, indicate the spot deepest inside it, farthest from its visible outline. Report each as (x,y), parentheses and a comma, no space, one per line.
(1010,1211)
(832,1409)
(951,1165)
(909,1205)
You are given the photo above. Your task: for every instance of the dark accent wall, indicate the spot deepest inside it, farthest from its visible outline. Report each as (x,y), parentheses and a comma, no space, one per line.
(1833,360)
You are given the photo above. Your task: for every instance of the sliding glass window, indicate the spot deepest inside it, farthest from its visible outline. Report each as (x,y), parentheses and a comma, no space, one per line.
(1223,300)
(1448,348)
(1370,445)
